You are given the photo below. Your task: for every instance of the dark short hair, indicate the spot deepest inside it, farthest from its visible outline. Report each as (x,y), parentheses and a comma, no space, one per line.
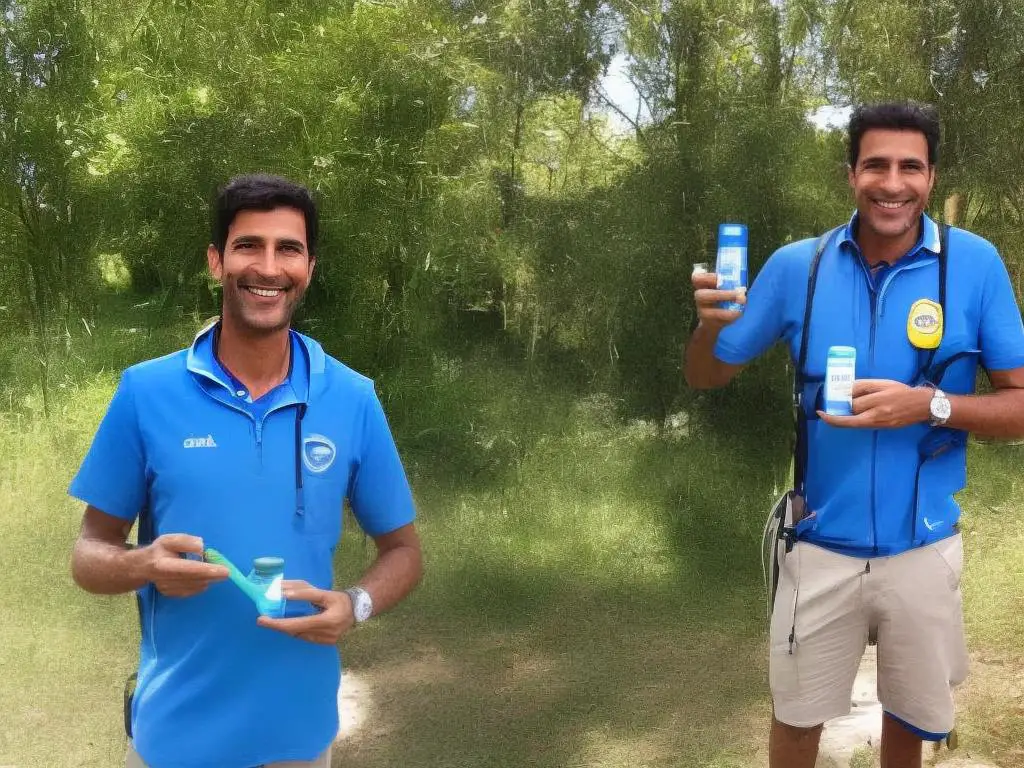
(262,192)
(895,116)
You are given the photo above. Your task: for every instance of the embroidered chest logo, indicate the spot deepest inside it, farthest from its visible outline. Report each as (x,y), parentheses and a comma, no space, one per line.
(318,453)
(200,442)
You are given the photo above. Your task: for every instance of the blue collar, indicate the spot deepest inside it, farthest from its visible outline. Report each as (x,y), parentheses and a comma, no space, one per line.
(927,240)
(202,360)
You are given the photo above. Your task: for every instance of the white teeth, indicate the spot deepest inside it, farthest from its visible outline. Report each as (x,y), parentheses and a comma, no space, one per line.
(891,204)
(267,292)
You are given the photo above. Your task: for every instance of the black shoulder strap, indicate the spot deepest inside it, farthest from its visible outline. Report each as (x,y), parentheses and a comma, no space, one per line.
(800,374)
(926,373)
(943,261)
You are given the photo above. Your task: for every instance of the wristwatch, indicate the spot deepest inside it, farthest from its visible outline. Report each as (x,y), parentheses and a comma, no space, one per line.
(362,604)
(940,408)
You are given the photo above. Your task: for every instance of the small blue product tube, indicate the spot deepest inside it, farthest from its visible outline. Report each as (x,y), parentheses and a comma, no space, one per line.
(731,264)
(267,574)
(840,373)
(262,585)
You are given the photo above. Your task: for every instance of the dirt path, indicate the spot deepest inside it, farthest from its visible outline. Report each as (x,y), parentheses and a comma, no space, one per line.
(355,700)
(845,740)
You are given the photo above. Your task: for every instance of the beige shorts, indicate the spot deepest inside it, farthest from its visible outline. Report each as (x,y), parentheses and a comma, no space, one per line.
(828,605)
(324,761)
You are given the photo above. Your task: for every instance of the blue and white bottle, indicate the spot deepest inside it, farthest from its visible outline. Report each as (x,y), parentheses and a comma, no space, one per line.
(840,373)
(731,263)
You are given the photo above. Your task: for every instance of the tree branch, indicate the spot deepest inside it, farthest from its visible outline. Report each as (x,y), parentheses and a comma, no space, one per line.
(642,95)
(142,18)
(640,135)
(606,147)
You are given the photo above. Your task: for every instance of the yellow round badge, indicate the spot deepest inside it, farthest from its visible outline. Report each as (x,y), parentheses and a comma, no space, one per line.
(924,324)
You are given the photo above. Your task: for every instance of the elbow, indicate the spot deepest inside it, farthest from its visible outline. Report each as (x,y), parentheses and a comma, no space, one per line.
(704,380)
(79,572)
(694,382)
(83,570)
(417,567)
(76,563)
(706,372)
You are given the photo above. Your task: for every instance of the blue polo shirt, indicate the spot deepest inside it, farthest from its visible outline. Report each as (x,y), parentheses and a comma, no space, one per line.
(214,689)
(873,492)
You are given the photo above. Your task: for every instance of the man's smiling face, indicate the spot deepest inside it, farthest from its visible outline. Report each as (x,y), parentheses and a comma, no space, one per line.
(892,180)
(264,270)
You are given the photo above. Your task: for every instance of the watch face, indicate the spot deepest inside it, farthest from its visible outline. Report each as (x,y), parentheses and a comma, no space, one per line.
(364,609)
(941,408)
(362,606)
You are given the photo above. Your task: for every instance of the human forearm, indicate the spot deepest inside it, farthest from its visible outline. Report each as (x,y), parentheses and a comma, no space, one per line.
(998,415)
(886,404)
(702,370)
(105,568)
(393,575)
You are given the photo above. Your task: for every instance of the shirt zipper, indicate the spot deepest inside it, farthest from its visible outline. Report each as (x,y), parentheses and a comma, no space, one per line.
(257,424)
(874,301)
(877,308)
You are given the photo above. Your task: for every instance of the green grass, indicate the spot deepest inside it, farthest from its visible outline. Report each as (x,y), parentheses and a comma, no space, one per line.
(84,352)
(992,701)
(63,654)
(863,757)
(592,593)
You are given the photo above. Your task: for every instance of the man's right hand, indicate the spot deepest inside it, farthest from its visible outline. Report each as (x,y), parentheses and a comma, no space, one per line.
(708,298)
(174,575)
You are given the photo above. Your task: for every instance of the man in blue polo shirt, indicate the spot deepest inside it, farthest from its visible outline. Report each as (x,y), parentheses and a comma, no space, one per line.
(249,442)
(878,554)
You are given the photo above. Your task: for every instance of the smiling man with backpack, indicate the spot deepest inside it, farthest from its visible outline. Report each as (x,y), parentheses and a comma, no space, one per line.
(872,549)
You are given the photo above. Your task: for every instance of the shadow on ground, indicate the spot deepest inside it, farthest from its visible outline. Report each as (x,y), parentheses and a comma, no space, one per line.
(500,661)
(589,677)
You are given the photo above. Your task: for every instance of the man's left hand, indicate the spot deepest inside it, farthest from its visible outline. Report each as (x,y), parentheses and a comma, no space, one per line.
(884,404)
(326,627)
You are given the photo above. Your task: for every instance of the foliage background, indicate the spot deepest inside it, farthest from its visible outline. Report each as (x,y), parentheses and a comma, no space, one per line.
(506,249)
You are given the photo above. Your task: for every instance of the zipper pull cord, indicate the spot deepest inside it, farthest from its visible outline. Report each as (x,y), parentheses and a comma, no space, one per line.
(300,501)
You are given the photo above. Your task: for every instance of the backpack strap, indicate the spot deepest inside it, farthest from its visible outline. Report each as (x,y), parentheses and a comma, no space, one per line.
(800,374)
(925,373)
